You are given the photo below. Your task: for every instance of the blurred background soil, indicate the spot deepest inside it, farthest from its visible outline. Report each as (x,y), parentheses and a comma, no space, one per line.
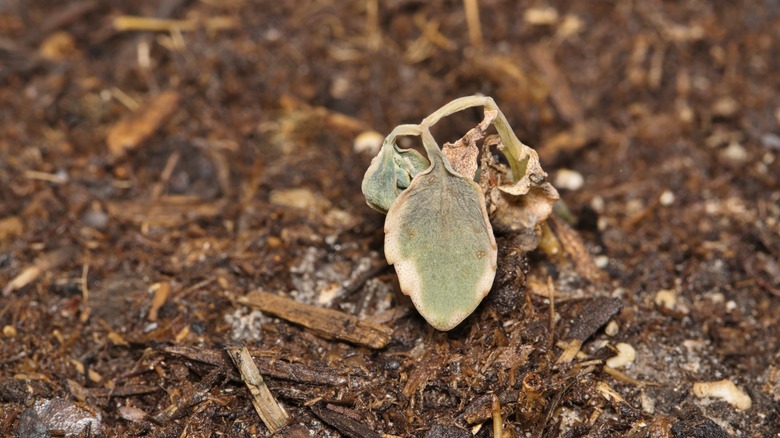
(161,159)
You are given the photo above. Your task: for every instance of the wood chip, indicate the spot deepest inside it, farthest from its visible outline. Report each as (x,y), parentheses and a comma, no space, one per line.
(498,422)
(575,248)
(125,23)
(276,369)
(566,143)
(332,119)
(609,393)
(570,350)
(133,414)
(161,292)
(481,408)
(166,212)
(45,262)
(117,339)
(327,323)
(347,425)
(273,415)
(584,317)
(133,130)
(10,228)
(560,92)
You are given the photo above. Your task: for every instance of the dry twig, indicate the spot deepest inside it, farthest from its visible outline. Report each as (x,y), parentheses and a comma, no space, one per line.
(273,415)
(327,323)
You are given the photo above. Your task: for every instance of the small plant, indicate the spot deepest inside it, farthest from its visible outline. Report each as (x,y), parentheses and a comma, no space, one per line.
(441,210)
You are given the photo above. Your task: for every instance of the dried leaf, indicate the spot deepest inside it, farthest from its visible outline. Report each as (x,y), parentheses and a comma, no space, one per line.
(133,130)
(523,205)
(462,154)
(463,158)
(440,240)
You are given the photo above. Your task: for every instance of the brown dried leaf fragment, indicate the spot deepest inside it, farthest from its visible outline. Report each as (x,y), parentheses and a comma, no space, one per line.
(462,154)
(575,248)
(51,260)
(131,131)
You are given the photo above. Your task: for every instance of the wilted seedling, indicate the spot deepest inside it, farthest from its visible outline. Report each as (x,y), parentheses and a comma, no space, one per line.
(438,231)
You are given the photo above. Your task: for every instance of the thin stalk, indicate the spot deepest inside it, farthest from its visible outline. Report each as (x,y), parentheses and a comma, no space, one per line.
(455,106)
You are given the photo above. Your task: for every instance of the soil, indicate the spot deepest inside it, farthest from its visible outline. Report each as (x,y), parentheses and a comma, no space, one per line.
(153,173)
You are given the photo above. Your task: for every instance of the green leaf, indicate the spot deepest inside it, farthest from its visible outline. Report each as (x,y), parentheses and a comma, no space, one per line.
(380,183)
(390,172)
(409,162)
(438,237)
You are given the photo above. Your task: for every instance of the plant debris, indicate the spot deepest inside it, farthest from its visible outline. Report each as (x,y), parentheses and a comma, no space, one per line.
(238,169)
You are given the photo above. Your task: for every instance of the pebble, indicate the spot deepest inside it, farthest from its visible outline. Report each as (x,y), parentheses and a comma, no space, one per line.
(667,198)
(601,261)
(9,331)
(568,179)
(369,142)
(771,141)
(597,204)
(665,298)
(612,328)
(735,152)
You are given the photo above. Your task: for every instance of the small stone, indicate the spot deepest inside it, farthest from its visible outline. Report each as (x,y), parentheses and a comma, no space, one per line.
(771,378)
(612,328)
(568,179)
(667,198)
(666,299)
(597,204)
(9,331)
(735,152)
(647,403)
(340,87)
(58,46)
(726,106)
(95,218)
(601,261)
(771,141)
(369,142)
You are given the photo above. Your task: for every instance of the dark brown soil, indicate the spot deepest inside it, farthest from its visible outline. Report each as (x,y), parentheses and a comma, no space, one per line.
(151,178)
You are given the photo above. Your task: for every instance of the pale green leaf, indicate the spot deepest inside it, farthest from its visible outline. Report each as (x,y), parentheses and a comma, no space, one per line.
(390,172)
(438,237)
(410,162)
(380,183)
